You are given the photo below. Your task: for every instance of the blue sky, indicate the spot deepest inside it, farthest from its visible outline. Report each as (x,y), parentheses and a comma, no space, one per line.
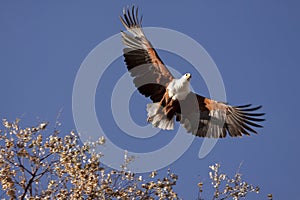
(255,45)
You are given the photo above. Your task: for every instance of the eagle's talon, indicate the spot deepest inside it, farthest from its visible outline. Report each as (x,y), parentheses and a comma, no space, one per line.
(150,119)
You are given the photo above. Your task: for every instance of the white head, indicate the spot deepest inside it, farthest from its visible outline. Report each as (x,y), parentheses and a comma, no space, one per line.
(180,88)
(187,77)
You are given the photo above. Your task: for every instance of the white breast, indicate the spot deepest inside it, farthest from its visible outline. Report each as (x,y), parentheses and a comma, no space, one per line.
(178,89)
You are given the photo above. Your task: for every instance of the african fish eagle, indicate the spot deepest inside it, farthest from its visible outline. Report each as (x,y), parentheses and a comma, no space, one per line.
(172,98)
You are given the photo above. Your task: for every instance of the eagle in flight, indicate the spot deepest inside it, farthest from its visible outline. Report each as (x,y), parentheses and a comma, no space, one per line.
(172,98)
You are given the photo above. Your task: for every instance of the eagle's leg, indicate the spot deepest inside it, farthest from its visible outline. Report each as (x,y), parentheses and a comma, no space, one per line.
(170,108)
(163,102)
(157,115)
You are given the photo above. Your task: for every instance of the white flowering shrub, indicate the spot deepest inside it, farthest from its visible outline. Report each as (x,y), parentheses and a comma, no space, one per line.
(228,188)
(38,165)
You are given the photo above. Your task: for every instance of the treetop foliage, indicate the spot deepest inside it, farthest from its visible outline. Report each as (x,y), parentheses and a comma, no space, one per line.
(37,165)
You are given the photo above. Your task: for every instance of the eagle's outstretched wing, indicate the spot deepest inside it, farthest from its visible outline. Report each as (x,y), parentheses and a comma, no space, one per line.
(200,116)
(150,74)
(205,117)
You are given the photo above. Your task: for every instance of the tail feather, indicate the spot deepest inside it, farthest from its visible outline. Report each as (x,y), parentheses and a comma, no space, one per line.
(157,118)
